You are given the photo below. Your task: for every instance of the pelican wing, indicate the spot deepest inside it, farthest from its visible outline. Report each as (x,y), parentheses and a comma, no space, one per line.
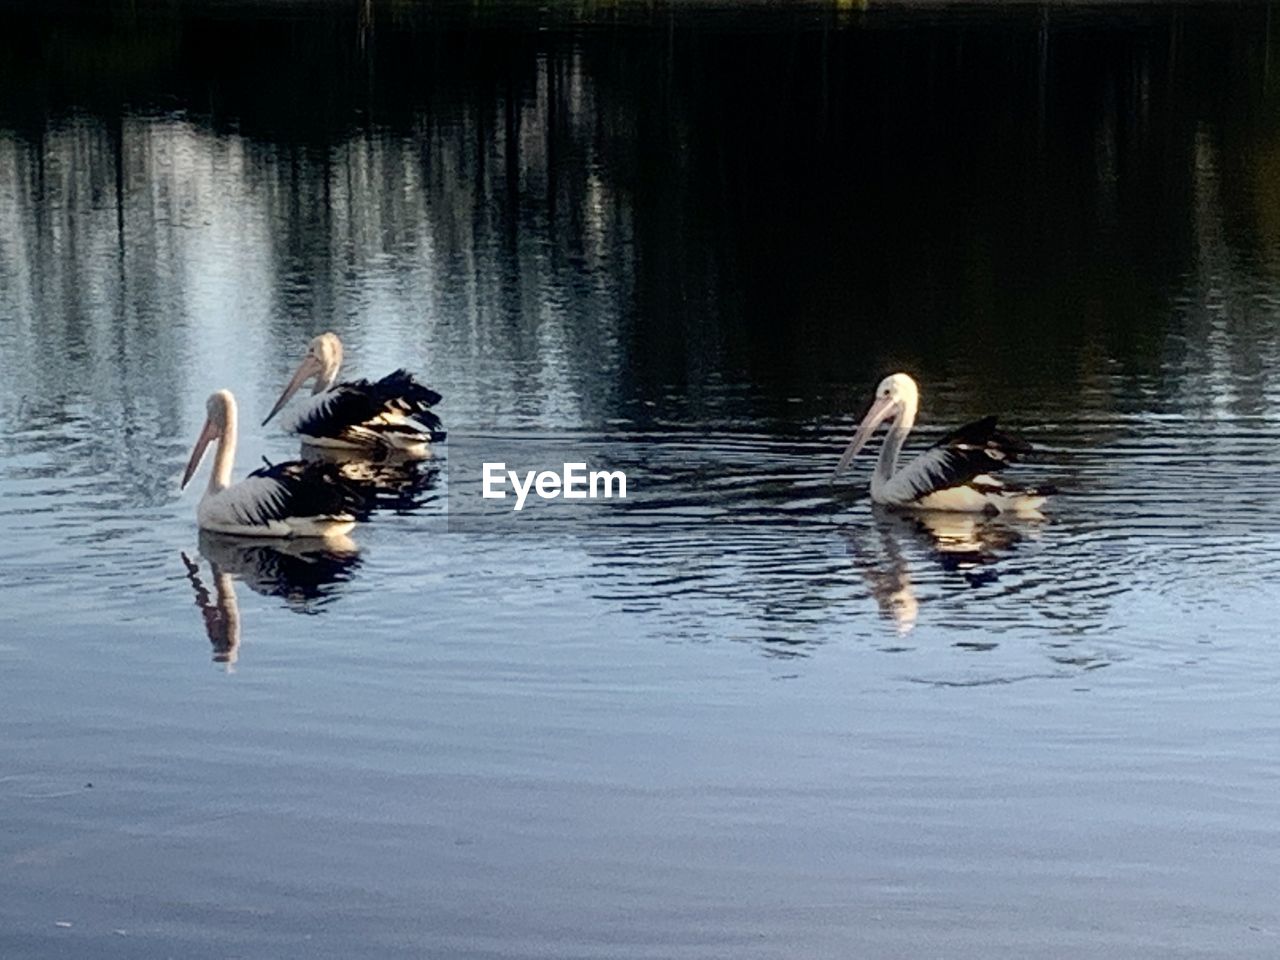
(364,410)
(983,447)
(294,489)
(964,458)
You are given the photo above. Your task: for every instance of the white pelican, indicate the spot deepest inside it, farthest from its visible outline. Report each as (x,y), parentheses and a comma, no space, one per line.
(393,413)
(954,474)
(292,499)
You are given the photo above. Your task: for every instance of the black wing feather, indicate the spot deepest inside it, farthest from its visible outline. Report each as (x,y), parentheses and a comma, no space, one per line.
(310,489)
(401,388)
(983,433)
(979,447)
(355,403)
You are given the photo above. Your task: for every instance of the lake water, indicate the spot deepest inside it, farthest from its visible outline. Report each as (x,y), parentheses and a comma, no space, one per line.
(746,715)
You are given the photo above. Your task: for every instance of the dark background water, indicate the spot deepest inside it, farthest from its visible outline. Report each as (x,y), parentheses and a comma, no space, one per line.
(751,717)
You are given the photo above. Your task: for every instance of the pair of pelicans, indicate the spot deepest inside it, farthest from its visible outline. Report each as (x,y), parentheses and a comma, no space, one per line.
(298,499)
(309,498)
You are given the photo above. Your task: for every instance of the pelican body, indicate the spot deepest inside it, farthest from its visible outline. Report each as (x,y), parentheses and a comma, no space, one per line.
(293,499)
(392,414)
(955,474)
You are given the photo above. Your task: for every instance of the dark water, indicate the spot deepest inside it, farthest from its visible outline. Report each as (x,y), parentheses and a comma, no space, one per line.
(751,717)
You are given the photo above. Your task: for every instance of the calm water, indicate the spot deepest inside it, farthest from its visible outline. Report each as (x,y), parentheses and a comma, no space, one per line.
(746,716)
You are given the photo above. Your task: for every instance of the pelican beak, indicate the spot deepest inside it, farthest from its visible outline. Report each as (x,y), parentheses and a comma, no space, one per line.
(207,435)
(309,367)
(879,412)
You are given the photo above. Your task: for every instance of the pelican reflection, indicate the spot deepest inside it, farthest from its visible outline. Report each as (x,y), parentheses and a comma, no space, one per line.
(304,573)
(970,545)
(221,613)
(388,480)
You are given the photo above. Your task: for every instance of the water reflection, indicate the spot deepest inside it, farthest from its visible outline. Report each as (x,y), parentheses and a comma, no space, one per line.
(706,238)
(387,481)
(969,546)
(305,573)
(700,233)
(561,249)
(221,614)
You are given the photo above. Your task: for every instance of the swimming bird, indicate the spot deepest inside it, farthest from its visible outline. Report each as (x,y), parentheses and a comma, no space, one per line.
(393,413)
(292,499)
(954,474)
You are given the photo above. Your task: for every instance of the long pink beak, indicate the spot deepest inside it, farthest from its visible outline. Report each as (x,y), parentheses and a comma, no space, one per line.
(879,412)
(208,434)
(308,368)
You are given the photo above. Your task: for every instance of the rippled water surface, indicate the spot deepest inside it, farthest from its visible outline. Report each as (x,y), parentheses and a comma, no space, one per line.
(743,714)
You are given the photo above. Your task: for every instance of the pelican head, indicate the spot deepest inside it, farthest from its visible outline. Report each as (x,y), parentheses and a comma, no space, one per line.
(321,362)
(898,397)
(220,417)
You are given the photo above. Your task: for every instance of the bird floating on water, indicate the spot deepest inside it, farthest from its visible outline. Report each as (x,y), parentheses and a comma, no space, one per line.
(391,414)
(293,499)
(954,474)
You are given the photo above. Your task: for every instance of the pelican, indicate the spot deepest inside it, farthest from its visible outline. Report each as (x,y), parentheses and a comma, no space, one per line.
(393,413)
(291,499)
(954,474)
